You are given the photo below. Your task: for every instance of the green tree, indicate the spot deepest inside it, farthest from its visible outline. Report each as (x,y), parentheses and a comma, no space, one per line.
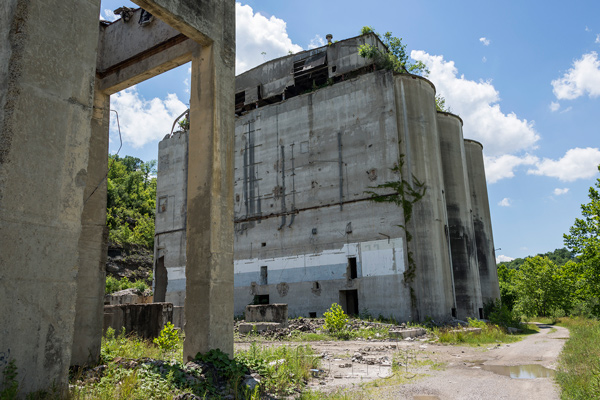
(131,185)
(395,58)
(584,241)
(538,287)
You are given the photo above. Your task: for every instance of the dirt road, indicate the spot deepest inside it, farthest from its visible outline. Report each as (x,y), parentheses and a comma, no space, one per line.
(441,371)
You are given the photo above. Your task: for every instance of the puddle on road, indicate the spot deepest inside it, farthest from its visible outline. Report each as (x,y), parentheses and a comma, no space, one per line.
(530,371)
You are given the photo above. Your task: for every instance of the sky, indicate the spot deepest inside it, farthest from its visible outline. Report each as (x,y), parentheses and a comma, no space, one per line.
(523,75)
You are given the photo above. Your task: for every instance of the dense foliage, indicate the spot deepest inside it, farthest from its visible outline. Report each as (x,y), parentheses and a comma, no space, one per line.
(131,201)
(563,282)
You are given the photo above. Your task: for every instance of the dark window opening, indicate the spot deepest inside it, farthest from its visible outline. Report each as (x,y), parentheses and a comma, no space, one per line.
(333,69)
(349,301)
(316,286)
(261,299)
(263,244)
(481,313)
(160,280)
(312,314)
(240,99)
(454,313)
(264,275)
(352,272)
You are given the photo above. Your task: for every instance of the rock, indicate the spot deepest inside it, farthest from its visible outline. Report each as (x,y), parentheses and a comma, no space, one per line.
(250,382)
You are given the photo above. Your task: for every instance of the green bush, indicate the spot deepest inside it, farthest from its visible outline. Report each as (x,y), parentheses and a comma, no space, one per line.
(336,321)
(168,338)
(114,285)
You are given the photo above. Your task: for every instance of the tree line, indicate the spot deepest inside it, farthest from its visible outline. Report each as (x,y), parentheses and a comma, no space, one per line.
(563,282)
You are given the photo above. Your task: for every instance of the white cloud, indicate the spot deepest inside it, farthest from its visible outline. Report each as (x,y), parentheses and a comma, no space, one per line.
(485,41)
(109,15)
(504,166)
(566,110)
(582,78)
(505,202)
(559,191)
(317,41)
(587,29)
(576,164)
(554,106)
(257,34)
(503,258)
(143,121)
(484,59)
(477,104)
(597,38)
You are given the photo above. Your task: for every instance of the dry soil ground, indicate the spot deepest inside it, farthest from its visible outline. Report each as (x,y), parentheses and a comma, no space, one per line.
(436,371)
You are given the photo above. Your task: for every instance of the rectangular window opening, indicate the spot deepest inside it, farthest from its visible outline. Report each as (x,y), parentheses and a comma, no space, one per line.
(352,272)
(261,299)
(312,314)
(454,313)
(481,313)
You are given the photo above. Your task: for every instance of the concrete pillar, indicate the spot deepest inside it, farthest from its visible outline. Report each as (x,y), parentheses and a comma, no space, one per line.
(482,222)
(430,275)
(47,68)
(209,269)
(93,242)
(460,222)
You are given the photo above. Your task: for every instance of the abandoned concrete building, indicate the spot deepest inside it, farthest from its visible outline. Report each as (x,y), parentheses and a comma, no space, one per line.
(58,68)
(316,133)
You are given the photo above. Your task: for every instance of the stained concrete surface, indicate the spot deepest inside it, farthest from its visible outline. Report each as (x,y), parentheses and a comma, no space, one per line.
(47,83)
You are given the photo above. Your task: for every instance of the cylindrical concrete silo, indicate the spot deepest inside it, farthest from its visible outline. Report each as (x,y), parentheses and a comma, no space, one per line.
(463,249)
(482,222)
(428,268)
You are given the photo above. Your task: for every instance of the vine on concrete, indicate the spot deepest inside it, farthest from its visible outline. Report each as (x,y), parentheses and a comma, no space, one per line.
(404,195)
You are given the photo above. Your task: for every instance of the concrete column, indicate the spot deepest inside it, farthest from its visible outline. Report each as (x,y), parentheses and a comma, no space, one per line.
(209,269)
(460,222)
(482,222)
(93,243)
(430,275)
(47,68)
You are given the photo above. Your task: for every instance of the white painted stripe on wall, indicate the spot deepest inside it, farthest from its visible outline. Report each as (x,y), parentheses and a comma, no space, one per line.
(377,257)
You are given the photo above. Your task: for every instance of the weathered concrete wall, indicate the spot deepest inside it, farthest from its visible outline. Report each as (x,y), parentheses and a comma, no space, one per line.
(144,320)
(302,169)
(170,221)
(267,313)
(47,83)
(482,222)
(460,221)
(431,273)
(93,242)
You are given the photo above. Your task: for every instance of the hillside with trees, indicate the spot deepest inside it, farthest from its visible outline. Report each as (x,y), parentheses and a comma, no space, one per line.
(131,205)
(563,282)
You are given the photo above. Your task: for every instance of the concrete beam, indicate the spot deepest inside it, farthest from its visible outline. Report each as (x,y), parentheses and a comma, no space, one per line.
(204,21)
(130,53)
(46,99)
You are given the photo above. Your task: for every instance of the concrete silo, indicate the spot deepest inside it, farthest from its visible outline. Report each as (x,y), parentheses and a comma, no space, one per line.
(482,222)
(460,222)
(429,272)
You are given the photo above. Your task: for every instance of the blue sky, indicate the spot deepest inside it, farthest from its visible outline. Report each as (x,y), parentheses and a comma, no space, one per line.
(523,75)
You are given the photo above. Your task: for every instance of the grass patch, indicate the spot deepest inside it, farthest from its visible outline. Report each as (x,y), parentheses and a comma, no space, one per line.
(489,334)
(133,347)
(579,363)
